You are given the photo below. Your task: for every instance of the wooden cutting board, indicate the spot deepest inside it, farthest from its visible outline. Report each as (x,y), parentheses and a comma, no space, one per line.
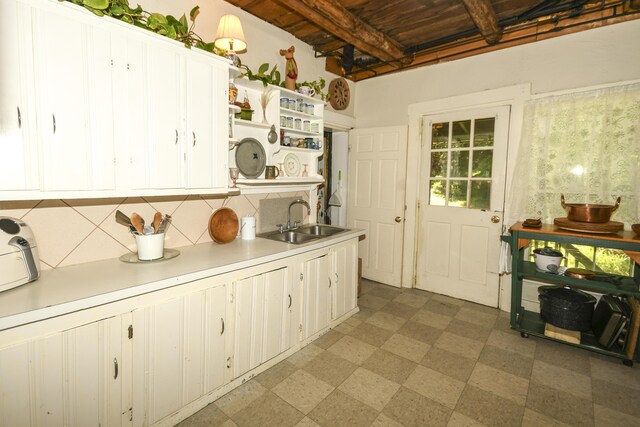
(589,227)
(223,225)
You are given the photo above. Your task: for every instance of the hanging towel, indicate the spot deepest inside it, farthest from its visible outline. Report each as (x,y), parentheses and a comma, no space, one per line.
(505,257)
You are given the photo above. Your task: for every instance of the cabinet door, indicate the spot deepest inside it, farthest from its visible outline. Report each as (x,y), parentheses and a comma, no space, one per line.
(73,90)
(69,378)
(248,332)
(219,338)
(18,162)
(168,352)
(206,123)
(278,302)
(317,302)
(344,278)
(165,104)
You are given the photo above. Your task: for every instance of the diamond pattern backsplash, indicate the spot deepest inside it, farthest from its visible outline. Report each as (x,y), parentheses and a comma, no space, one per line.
(76,231)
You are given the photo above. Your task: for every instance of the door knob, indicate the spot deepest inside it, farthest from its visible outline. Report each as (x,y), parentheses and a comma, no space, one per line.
(495,219)
(398,219)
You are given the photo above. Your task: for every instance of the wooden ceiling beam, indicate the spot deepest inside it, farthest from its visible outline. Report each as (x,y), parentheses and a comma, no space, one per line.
(335,18)
(483,15)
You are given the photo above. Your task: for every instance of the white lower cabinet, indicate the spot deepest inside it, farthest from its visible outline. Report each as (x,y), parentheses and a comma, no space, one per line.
(179,352)
(170,352)
(264,307)
(317,295)
(73,378)
(344,278)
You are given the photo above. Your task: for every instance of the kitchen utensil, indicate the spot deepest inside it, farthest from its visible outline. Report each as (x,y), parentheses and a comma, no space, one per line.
(164,224)
(609,319)
(223,225)
(271,172)
(122,219)
(578,273)
(234,173)
(566,308)
(585,212)
(251,158)
(589,227)
(157,219)
(137,222)
(272,137)
(547,259)
(335,199)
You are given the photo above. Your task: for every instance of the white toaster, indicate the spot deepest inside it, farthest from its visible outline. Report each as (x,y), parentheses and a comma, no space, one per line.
(19,261)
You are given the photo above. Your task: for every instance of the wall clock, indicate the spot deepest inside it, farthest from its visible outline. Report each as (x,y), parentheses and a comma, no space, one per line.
(340,95)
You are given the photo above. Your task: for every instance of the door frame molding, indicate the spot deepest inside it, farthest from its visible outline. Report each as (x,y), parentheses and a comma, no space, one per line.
(514,96)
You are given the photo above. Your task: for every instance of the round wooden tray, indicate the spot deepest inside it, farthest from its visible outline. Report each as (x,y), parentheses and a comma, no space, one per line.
(589,227)
(223,225)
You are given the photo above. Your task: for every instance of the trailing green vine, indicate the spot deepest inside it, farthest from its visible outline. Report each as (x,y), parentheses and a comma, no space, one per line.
(273,78)
(166,25)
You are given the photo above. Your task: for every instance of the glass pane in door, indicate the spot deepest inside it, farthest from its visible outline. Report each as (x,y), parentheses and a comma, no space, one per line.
(480,197)
(437,192)
(481,164)
(459,164)
(439,136)
(458,193)
(439,164)
(461,134)
(483,132)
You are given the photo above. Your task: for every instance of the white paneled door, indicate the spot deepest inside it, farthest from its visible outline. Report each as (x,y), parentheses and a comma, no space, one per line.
(377,176)
(462,181)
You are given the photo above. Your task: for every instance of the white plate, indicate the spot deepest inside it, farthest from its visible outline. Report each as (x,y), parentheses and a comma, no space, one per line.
(132,257)
(291,165)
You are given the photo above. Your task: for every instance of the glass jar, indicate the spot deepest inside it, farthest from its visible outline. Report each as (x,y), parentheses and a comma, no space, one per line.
(315,127)
(284,102)
(310,109)
(292,104)
(283,121)
(300,106)
(297,124)
(290,122)
(306,126)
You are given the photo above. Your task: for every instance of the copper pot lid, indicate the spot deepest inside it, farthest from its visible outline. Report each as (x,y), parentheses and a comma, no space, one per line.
(578,273)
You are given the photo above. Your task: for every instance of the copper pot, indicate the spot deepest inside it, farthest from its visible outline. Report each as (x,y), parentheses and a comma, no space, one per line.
(584,212)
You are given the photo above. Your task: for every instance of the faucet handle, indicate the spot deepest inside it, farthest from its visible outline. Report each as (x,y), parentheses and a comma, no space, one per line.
(280,227)
(296,224)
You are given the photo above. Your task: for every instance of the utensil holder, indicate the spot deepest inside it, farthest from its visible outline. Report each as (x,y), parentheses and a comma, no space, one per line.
(150,246)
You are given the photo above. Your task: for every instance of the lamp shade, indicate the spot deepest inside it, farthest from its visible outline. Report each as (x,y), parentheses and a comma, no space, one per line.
(230,35)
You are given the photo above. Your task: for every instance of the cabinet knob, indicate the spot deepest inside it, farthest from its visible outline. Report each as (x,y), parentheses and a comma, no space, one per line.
(194,139)
(115,368)
(19,118)
(176,136)
(290,301)
(222,326)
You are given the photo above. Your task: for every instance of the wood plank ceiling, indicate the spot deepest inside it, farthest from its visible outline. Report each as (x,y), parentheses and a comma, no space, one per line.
(361,39)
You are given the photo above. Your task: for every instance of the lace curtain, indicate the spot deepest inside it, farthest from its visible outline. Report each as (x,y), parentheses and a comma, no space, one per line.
(585,146)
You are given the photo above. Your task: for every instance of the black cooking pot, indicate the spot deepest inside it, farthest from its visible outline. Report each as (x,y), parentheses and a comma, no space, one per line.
(566,308)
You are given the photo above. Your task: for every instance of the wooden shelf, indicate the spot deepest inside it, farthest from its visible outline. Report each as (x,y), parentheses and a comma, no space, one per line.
(285,111)
(242,122)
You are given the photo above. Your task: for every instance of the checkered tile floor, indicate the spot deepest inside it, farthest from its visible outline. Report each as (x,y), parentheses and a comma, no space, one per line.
(411,358)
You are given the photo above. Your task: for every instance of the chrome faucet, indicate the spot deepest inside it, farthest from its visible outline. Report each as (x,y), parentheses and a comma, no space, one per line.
(297,201)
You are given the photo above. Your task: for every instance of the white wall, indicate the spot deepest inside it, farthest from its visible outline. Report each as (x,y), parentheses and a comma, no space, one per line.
(599,56)
(263,39)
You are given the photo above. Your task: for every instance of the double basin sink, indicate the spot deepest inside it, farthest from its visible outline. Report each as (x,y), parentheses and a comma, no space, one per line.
(303,234)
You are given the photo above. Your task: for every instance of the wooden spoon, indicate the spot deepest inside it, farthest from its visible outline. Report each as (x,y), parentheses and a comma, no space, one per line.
(157,219)
(137,222)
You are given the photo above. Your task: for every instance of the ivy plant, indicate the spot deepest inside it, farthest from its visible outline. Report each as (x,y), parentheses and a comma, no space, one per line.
(273,77)
(166,25)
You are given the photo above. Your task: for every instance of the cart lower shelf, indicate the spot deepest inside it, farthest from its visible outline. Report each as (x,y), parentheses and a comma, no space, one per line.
(530,323)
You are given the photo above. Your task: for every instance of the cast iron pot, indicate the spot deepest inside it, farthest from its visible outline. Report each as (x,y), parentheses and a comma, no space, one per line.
(584,212)
(566,308)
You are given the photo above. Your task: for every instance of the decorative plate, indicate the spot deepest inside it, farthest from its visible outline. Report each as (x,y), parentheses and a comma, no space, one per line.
(291,165)
(132,257)
(250,158)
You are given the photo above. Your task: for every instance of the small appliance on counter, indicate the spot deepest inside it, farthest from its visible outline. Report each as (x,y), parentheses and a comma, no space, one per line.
(19,261)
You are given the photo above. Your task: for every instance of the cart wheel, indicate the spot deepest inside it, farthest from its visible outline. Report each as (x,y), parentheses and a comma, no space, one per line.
(628,363)
(524,335)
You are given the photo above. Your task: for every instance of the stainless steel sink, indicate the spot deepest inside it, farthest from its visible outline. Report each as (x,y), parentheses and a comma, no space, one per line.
(302,234)
(289,237)
(320,230)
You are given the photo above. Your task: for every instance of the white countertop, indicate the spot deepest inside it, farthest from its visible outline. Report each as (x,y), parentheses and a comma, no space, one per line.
(78,287)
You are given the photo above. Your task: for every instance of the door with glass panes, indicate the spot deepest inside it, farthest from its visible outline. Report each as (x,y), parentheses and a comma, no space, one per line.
(462,182)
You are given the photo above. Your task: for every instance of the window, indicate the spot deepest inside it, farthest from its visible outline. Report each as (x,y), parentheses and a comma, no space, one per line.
(461,163)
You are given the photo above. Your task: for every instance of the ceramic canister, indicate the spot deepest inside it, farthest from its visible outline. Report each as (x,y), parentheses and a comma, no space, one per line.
(248,228)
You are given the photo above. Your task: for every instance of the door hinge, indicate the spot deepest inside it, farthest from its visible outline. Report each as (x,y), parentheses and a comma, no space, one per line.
(300,327)
(130,331)
(229,361)
(231,297)
(301,277)
(418,204)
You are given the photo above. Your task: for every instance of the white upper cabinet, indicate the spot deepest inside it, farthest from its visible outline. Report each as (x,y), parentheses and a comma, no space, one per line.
(206,125)
(93,107)
(73,89)
(18,160)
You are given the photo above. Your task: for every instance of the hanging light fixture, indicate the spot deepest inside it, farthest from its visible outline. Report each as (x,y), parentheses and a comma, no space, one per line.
(230,37)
